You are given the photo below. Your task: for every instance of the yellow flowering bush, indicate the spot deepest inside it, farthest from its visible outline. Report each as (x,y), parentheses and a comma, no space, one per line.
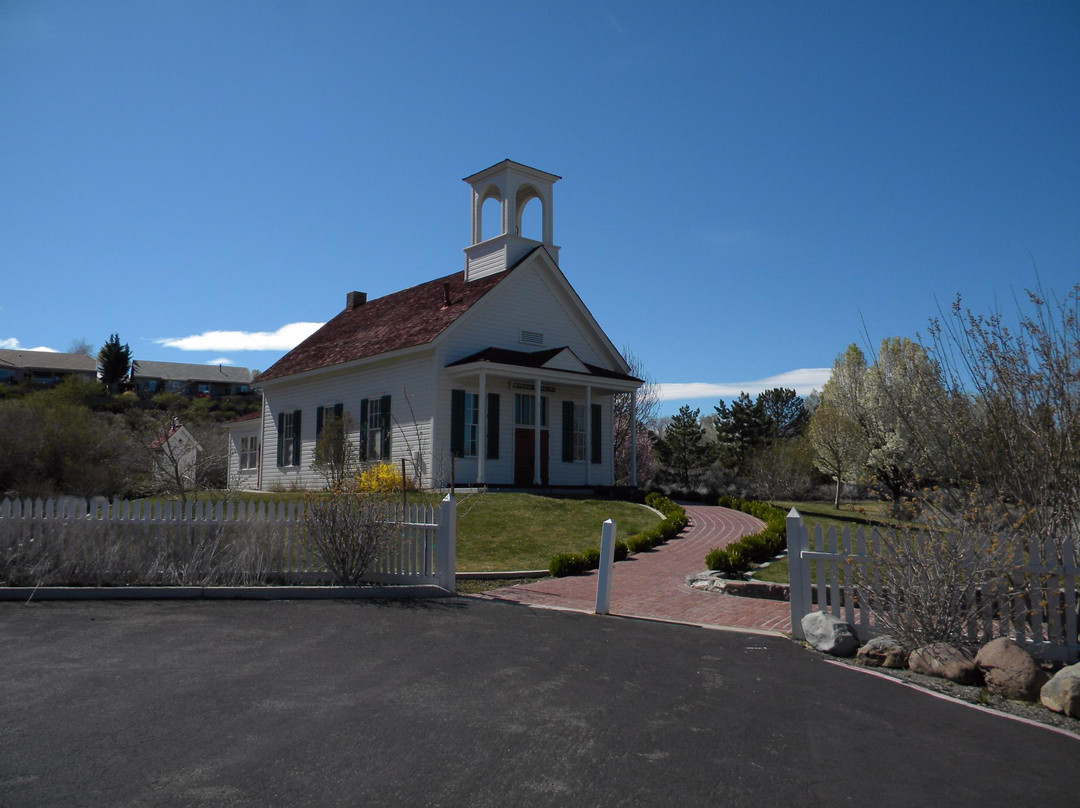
(382,478)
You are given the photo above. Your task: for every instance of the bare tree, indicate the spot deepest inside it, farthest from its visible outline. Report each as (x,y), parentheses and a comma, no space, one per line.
(82,347)
(1011,424)
(838,443)
(647,409)
(335,453)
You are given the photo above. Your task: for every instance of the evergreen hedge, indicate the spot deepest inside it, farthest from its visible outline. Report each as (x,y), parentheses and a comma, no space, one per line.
(740,556)
(675,519)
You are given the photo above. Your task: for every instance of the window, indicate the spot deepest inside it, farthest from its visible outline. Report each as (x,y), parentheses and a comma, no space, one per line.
(465,424)
(579,432)
(289,438)
(249,452)
(472,424)
(525,410)
(324,415)
(375,429)
(574,432)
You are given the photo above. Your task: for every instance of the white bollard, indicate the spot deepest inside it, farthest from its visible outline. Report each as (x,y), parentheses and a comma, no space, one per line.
(607,561)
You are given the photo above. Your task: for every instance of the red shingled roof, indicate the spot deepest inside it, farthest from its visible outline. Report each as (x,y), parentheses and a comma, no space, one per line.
(413,316)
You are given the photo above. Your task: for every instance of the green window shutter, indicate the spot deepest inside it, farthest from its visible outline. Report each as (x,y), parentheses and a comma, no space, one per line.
(594,432)
(339,411)
(297,445)
(386,422)
(568,431)
(363,429)
(493,426)
(457,422)
(318,422)
(280,441)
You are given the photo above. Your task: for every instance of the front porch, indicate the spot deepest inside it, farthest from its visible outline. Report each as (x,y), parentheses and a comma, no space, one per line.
(499,436)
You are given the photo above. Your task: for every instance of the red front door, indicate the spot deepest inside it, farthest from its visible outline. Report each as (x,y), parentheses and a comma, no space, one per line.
(525,456)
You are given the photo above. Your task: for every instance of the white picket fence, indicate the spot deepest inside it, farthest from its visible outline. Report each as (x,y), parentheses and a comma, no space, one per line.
(1043,618)
(422,549)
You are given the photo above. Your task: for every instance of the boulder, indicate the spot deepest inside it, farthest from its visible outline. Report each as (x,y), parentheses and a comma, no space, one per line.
(1062,693)
(829,634)
(945,661)
(883,652)
(1009,670)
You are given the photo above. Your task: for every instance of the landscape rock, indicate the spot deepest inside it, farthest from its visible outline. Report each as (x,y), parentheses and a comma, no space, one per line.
(1009,670)
(829,634)
(883,652)
(1062,693)
(945,661)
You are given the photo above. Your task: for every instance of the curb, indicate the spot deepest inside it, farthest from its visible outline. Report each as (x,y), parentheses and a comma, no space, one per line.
(503,575)
(29,593)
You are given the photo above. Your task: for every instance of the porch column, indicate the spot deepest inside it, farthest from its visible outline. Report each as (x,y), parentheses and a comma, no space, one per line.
(633,438)
(536,435)
(481,429)
(589,427)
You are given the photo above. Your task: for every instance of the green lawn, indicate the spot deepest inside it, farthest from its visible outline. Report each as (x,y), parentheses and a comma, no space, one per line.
(523,531)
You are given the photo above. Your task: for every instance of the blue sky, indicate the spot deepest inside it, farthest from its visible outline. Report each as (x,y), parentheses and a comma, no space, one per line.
(745,184)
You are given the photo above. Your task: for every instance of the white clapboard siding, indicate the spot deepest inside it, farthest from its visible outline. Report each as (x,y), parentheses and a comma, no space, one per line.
(408,382)
(1040,615)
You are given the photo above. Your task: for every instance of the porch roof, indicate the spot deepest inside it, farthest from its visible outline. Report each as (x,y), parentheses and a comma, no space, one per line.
(552,363)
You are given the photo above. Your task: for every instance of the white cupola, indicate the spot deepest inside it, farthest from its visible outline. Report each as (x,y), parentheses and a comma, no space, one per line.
(513,185)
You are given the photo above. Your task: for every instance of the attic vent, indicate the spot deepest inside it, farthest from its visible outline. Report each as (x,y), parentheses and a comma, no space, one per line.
(532,337)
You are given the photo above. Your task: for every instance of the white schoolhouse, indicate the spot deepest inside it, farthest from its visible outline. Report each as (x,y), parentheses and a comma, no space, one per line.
(454,368)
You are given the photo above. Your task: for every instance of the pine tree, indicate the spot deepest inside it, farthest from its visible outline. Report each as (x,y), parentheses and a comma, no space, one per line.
(114,363)
(682,448)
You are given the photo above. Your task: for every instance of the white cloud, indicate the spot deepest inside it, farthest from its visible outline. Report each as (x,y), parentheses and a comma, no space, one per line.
(284,339)
(12,344)
(221,360)
(803,381)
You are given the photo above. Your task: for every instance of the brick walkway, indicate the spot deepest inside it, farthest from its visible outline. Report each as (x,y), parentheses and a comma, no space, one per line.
(653,585)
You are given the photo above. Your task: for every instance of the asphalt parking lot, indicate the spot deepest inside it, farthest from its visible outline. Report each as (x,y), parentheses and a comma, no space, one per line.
(461,702)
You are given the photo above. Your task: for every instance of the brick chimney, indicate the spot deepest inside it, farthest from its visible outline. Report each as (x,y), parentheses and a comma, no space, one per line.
(355,299)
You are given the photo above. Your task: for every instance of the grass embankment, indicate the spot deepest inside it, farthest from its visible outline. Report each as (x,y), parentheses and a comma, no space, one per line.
(504,531)
(523,531)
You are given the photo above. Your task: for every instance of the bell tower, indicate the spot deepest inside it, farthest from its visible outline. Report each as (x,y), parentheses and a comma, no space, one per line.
(513,185)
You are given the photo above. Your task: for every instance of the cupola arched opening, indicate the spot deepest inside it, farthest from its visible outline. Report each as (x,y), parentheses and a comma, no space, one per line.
(530,204)
(491,213)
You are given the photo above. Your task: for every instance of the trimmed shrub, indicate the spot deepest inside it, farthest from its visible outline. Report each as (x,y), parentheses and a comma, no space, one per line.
(564,564)
(675,519)
(737,557)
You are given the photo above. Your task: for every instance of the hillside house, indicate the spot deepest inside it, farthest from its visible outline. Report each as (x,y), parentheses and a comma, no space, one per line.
(45,367)
(500,367)
(196,381)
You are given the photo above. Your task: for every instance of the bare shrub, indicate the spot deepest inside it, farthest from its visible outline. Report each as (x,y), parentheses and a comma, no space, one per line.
(348,531)
(931,584)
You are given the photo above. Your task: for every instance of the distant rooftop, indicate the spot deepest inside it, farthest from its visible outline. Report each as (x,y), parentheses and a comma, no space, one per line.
(183,372)
(47,360)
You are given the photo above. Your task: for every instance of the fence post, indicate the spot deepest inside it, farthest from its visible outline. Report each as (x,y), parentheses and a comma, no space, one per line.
(446,544)
(798,573)
(607,561)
